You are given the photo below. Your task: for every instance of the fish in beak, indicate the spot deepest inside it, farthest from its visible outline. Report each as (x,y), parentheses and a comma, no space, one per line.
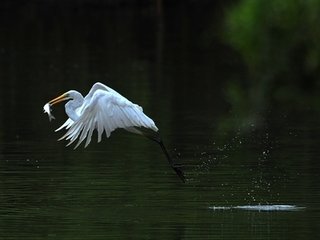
(47,106)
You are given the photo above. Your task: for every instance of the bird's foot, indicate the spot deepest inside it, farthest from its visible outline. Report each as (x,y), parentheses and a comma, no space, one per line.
(178,169)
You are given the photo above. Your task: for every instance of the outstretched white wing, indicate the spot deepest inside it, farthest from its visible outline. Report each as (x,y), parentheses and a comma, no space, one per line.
(98,85)
(105,112)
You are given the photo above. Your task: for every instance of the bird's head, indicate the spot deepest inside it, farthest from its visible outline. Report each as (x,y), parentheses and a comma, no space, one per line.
(76,101)
(72,94)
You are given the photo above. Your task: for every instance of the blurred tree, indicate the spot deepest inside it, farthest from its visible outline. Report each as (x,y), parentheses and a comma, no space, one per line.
(278,41)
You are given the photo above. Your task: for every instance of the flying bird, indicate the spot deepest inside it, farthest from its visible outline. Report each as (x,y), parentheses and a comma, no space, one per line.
(104,110)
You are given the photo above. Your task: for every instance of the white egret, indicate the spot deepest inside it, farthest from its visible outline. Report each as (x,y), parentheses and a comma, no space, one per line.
(105,110)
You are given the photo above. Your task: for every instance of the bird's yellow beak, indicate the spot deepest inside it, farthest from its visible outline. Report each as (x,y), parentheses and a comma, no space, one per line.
(61,98)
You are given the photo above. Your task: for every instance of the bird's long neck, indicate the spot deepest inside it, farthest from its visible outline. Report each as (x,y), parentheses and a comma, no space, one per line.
(72,106)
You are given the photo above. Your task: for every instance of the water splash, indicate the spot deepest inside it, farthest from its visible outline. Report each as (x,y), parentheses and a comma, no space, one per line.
(259,208)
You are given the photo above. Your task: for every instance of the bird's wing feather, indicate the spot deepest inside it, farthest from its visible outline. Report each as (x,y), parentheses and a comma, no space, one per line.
(101,86)
(67,124)
(106,112)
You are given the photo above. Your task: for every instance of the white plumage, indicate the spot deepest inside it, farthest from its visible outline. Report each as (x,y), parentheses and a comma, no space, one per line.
(105,110)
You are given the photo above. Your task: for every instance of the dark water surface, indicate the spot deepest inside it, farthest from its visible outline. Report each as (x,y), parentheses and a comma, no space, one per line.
(246,132)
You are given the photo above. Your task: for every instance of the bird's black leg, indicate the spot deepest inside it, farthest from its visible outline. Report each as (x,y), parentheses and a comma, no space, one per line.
(175,167)
(154,136)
